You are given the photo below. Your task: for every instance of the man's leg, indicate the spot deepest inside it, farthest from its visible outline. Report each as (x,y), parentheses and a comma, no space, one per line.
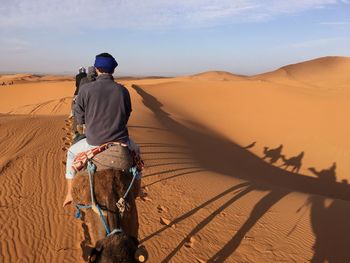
(73,151)
(80,146)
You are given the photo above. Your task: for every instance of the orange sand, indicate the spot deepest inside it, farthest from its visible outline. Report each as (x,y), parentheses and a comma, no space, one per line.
(203,139)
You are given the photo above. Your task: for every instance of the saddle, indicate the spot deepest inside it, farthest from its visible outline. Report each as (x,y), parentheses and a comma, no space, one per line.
(116,156)
(113,155)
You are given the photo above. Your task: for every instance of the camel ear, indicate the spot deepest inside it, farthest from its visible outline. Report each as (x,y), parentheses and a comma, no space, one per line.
(92,258)
(96,251)
(98,246)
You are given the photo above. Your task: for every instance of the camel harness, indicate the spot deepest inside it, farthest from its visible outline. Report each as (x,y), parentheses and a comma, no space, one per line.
(121,204)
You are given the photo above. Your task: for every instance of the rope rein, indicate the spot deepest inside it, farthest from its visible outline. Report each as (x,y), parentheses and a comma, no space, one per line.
(91,167)
(121,204)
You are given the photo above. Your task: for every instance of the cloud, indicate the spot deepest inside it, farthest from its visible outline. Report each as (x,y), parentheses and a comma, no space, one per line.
(145,14)
(317,43)
(336,23)
(14,45)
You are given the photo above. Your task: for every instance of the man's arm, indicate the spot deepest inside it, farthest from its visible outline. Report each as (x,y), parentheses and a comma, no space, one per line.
(128,108)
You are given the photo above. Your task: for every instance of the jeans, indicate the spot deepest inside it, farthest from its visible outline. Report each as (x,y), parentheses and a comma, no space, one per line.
(74,150)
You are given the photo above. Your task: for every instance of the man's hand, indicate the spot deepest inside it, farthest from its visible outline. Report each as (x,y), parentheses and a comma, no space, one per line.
(80,128)
(68,200)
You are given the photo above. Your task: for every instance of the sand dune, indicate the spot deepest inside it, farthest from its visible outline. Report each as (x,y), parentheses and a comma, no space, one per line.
(24,78)
(238,169)
(326,73)
(41,97)
(217,75)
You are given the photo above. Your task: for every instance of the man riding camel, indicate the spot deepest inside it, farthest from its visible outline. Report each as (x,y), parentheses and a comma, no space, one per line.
(91,76)
(81,75)
(104,106)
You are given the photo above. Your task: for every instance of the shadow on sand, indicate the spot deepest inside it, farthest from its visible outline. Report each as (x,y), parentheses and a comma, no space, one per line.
(215,153)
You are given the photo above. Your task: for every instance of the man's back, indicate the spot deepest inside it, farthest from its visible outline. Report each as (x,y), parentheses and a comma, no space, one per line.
(104,106)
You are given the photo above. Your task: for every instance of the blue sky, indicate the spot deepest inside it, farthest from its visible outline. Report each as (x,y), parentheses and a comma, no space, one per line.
(161,37)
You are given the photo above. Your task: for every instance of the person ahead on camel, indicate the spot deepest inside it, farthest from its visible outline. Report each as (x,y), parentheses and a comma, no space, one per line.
(104,106)
(82,74)
(79,129)
(91,76)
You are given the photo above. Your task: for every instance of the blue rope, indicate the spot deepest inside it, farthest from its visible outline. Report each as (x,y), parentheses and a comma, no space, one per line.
(135,173)
(103,220)
(91,170)
(91,167)
(78,213)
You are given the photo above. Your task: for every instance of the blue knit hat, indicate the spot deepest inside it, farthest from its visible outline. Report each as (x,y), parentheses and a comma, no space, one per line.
(105,62)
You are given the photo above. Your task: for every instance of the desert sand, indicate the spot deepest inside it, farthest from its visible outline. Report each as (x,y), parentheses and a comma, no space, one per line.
(216,148)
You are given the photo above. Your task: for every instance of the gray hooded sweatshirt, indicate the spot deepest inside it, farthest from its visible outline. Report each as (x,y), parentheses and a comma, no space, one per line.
(104,106)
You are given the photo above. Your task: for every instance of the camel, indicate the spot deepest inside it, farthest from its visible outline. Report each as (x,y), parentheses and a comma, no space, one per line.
(273,154)
(326,175)
(109,186)
(295,162)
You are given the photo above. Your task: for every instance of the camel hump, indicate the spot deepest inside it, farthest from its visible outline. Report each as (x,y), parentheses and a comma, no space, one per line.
(116,157)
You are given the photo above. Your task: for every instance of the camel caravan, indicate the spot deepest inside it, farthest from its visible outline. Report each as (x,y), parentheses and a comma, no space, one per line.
(104,167)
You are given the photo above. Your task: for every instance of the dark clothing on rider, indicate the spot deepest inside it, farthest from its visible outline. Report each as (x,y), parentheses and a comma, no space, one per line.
(91,76)
(86,80)
(78,79)
(104,106)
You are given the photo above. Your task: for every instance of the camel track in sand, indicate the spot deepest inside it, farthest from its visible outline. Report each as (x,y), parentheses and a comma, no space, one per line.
(34,226)
(51,106)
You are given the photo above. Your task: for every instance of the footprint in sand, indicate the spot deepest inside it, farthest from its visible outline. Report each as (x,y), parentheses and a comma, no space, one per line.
(144,195)
(146,198)
(64,163)
(166,222)
(65,129)
(68,144)
(64,149)
(161,209)
(66,139)
(190,242)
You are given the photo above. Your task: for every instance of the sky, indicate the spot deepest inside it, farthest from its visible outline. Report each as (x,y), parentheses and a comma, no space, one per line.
(167,37)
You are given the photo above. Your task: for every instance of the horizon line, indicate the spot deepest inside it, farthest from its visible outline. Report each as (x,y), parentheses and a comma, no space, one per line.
(170,75)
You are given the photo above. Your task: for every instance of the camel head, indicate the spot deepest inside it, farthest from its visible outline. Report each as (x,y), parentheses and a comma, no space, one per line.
(117,248)
(265,149)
